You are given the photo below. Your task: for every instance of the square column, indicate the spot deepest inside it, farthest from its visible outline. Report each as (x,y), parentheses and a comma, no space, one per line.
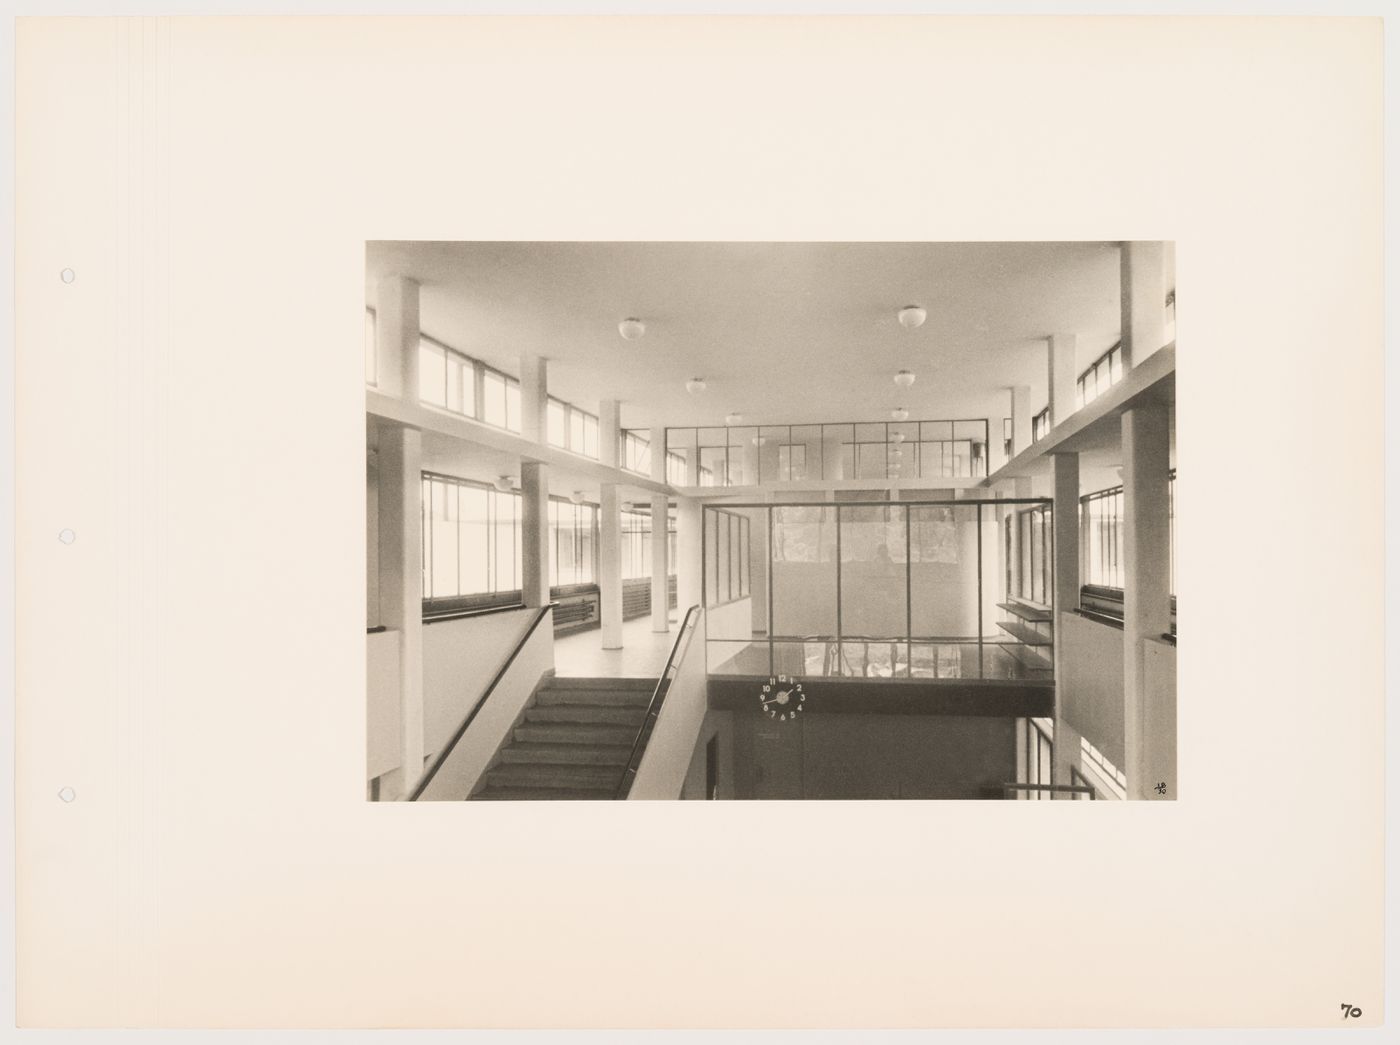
(689,545)
(401,582)
(534,533)
(609,431)
(1065,547)
(1143,301)
(610,566)
(534,399)
(396,336)
(1146,576)
(1063,375)
(1020,418)
(660,588)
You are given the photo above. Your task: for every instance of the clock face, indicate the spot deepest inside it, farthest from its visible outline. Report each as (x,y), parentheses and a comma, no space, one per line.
(781,698)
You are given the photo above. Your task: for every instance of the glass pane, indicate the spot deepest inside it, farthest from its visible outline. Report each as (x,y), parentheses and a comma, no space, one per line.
(494,406)
(874,585)
(712,466)
(804,570)
(712,522)
(870,460)
(454,382)
(743,456)
(713,436)
(554,411)
(473,542)
(587,545)
(432,374)
(935,430)
(506,542)
(444,537)
(513,406)
(553,544)
(870,433)
(943,574)
(723,527)
(590,436)
(838,458)
(576,431)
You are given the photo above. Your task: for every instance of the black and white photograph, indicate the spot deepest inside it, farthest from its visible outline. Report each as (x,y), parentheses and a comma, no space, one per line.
(743,520)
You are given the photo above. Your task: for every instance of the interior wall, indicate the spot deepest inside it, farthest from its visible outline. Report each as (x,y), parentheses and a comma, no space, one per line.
(1091,681)
(382,749)
(460,657)
(718,725)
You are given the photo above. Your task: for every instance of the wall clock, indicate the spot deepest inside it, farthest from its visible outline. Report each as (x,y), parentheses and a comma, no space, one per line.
(781,698)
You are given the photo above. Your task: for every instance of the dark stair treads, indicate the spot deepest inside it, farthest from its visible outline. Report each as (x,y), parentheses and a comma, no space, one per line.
(574,733)
(536,775)
(588,714)
(567,754)
(573,742)
(553,695)
(514,794)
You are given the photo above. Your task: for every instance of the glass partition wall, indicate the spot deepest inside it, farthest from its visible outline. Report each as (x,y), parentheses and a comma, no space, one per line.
(750,455)
(882,590)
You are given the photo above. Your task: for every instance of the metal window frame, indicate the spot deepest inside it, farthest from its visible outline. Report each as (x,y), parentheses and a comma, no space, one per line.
(978,465)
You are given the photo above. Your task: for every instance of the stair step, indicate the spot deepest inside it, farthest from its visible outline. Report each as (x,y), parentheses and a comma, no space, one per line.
(574,733)
(636,698)
(620,684)
(568,754)
(533,775)
(505,794)
(588,714)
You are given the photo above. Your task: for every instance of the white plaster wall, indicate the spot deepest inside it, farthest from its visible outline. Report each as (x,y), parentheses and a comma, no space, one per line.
(456,778)
(382,692)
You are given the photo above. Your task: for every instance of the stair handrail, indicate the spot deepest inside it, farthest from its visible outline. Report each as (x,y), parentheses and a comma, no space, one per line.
(687,629)
(445,751)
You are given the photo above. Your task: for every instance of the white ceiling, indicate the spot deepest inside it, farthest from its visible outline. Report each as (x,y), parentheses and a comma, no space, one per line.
(781,332)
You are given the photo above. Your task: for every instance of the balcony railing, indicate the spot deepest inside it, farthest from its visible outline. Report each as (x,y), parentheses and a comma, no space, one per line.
(750,455)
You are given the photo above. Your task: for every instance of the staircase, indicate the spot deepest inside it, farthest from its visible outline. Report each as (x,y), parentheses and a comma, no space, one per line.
(573,742)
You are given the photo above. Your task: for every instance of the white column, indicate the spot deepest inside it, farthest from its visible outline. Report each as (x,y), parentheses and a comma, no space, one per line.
(609,425)
(1146,572)
(401,582)
(658,454)
(1062,375)
(1020,418)
(660,593)
(689,562)
(610,566)
(1066,550)
(396,336)
(534,532)
(1144,299)
(534,399)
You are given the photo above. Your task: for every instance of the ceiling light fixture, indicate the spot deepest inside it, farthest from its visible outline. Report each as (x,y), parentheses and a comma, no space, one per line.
(733,419)
(631,328)
(899,414)
(505,483)
(896,437)
(912,316)
(576,497)
(904,378)
(695,385)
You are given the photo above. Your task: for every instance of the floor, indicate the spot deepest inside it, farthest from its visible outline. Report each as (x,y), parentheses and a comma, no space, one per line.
(643,652)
